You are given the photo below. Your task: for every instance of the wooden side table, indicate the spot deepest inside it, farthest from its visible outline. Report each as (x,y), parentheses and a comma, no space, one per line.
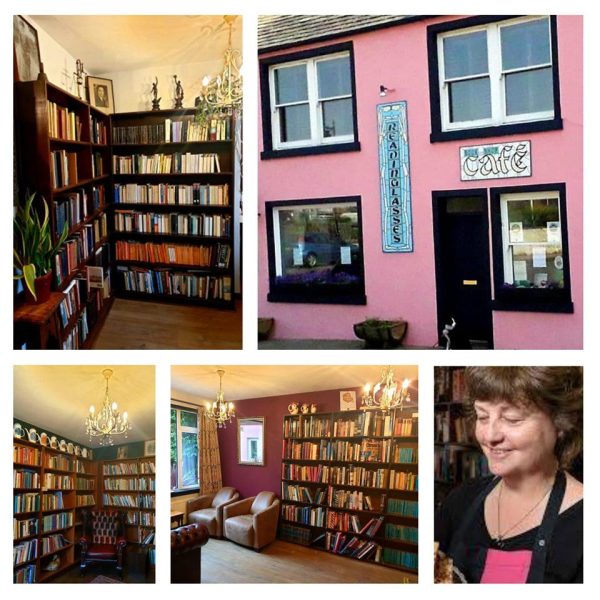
(177,519)
(38,323)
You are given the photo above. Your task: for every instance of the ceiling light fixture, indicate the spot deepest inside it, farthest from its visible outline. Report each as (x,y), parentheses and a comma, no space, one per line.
(385,395)
(220,411)
(108,421)
(223,94)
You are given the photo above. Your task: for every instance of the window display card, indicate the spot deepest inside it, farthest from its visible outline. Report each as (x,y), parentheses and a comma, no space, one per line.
(539,257)
(520,270)
(345,256)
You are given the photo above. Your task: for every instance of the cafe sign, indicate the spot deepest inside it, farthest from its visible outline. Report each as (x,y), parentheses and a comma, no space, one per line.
(495,161)
(394,178)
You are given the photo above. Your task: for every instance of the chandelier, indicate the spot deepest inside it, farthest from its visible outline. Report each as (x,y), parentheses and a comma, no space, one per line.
(108,421)
(222,95)
(386,394)
(220,411)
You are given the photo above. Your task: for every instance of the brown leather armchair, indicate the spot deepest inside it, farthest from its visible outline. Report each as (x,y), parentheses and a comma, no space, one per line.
(103,539)
(186,544)
(208,510)
(253,521)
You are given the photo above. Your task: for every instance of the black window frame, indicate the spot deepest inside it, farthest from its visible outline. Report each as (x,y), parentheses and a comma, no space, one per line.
(528,299)
(265,65)
(437,133)
(307,294)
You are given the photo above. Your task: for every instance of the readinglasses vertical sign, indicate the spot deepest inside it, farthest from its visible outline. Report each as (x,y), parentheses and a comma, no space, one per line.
(394,176)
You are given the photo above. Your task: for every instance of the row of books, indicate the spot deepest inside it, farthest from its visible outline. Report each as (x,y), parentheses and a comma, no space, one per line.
(367,450)
(53,501)
(26,455)
(129,484)
(306,426)
(307,515)
(57,521)
(173,223)
(359,476)
(194,194)
(79,247)
(25,575)
(26,479)
(147,468)
(24,552)
(63,168)
(28,502)
(98,131)
(85,500)
(143,518)
(399,558)
(164,253)
(353,500)
(125,468)
(164,164)
(63,124)
(76,337)
(97,165)
(300,493)
(295,534)
(295,472)
(455,464)
(58,461)
(449,384)
(452,427)
(53,481)
(85,484)
(164,282)
(74,296)
(344,521)
(293,449)
(340,543)
(403,508)
(123,500)
(401,454)
(402,533)
(400,480)
(175,131)
(52,543)
(74,208)
(80,467)
(25,527)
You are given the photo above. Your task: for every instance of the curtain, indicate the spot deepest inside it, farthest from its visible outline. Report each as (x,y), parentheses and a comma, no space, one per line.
(210,458)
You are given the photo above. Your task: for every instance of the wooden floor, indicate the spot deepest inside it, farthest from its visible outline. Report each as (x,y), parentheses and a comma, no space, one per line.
(283,562)
(135,572)
(136,325)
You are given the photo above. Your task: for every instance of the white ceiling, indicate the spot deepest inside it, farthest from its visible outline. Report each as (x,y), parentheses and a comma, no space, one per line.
(242,382)
(58,398)
(108,44)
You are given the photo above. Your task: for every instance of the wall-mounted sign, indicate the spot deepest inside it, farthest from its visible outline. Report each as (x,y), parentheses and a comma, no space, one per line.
(394,177)
(495,161)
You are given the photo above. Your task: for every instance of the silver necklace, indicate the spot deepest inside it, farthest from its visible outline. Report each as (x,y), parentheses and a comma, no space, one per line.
(501,536)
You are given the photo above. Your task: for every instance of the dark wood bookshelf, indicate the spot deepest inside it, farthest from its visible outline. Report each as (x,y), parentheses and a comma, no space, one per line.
(152,122)
(318,532)
(71,532)
(40,130)
(135,532)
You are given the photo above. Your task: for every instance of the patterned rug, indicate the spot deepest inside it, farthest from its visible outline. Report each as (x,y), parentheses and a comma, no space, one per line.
(104,579)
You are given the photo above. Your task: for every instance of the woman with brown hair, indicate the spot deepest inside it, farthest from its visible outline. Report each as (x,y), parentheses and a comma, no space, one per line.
(523,524)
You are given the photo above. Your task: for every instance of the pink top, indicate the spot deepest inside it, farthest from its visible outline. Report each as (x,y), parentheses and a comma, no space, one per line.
(506,567)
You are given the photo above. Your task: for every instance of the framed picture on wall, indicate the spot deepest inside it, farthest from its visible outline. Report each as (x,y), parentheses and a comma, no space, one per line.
(100,94)
(348,400)
(150,448)
(122,452)
(28,64)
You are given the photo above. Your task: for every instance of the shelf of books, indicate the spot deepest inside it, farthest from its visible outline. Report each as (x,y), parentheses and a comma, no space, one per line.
(350,484)
(46,502)
(66,160)
(130,485)
(457,456)
(173,206)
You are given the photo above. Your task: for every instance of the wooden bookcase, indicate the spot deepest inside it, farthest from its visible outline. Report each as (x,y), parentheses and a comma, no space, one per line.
(46,509)
(64,157)
(172,217)
(457,455)
(344,470)
(130,485)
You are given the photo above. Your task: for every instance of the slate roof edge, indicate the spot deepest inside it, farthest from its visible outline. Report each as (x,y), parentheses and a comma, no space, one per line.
(350,31)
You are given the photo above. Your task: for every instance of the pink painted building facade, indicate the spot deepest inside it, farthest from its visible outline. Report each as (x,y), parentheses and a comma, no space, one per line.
(491,226)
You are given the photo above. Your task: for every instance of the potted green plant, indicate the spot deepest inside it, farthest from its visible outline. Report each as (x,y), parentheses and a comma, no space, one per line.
(379,333)
(34,250)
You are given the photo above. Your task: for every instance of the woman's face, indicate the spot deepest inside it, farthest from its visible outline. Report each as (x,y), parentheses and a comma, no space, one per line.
(516,440)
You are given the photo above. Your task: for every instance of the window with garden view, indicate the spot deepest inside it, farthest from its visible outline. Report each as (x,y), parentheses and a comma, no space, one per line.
(184,449)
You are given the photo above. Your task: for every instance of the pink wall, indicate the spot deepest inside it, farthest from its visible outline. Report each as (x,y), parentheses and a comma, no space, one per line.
(248,479)
(403,284)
